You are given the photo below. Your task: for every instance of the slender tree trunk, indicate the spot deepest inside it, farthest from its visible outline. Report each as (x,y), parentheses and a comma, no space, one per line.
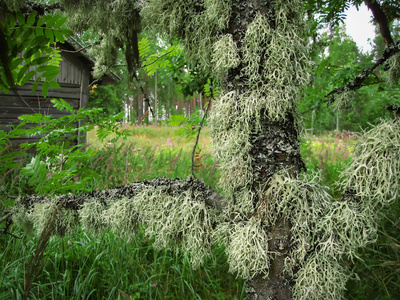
(269,154)
(146,111)
(140,108)
(155,99)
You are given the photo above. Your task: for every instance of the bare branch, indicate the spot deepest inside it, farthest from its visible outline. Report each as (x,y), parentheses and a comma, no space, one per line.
(199,129)
(357,82)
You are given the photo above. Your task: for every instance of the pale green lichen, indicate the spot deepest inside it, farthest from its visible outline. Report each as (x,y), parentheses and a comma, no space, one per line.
(302,201)
(375,165)
(225,55)
(218,12)
(276,65)
(66,220)
(344,100)
(198,28)
(393,75)
(344,229)
(122,217)
(321,277)
(247,249)
(91,216)
(21,218)
(180,222)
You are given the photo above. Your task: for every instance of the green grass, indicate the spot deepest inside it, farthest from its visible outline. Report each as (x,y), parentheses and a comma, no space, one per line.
(160,138)
(83,266)
(107,267)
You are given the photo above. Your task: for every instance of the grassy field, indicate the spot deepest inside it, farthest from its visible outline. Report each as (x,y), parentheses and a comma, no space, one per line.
(83,266)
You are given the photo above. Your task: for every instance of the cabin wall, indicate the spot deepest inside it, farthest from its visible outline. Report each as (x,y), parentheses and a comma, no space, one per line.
(74,82)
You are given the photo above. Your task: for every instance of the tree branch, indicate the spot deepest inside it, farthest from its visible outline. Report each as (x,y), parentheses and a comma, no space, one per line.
(146,99)
(380,18)
(171,187)
(161,56)
(357,82)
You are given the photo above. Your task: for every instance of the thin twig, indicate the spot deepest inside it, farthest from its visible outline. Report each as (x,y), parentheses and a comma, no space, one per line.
(80,49)
(146,99)
(161,56)
(200,127)
(8,195)
(23,100)
(357,82)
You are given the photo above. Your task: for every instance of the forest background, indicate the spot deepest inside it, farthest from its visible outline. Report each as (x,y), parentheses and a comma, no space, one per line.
(133,137)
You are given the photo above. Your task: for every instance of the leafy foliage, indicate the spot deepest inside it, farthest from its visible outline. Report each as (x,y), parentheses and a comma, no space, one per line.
(32,54)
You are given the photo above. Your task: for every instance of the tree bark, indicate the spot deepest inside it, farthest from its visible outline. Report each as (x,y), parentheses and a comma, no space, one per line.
(269,155)
(380,18)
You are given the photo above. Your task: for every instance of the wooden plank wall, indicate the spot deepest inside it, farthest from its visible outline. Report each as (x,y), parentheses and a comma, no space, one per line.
(74,82)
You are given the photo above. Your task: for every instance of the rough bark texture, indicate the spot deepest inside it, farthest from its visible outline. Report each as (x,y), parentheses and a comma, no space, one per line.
(380,18)
(274,148)
(173,187)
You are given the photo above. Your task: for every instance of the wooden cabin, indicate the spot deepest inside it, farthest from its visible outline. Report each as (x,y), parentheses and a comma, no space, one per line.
(74,80)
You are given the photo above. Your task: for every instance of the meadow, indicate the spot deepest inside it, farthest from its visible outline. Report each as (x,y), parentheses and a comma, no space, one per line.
(83,266)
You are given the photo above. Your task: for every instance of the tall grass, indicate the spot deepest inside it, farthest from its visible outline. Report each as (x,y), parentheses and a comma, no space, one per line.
(83,266)
(107,267)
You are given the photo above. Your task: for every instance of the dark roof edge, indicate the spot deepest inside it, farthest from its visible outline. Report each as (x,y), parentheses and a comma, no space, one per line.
(75,47)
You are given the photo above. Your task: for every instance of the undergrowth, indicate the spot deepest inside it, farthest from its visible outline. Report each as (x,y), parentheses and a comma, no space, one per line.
(108,267)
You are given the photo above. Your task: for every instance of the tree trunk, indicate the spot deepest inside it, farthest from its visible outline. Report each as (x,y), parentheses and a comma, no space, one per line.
(140,108)
(269,154)
(155,99)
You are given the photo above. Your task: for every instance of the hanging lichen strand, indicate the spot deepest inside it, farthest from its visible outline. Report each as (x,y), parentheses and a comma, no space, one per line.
(260,91)
(117,22)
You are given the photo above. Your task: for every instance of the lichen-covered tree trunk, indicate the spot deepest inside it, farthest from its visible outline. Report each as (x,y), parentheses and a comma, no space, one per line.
(272,137)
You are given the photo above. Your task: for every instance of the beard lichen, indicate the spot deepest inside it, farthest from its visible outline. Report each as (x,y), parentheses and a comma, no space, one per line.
(393,75)
(91,216)
(247,249)
(373,173)
(225,55)
(198,23)
(344,100)
(321,277)
(179,222)
(36,218)
(122,217)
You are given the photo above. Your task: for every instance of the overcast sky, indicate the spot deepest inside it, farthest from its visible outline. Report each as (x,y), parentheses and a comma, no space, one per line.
(359,27)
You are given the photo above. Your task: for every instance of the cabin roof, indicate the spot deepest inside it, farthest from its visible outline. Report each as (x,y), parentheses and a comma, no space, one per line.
(74,49)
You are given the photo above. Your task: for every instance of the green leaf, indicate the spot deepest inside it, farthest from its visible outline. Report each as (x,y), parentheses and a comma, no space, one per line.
(66,31)
(21,19)
(22,72)
(61,104)
(45,89)
(59,36)
(52,20)
(49,75)
(39,61)
(42,20)
(16,62)
(29,53)
(34,87)
(49,34)
(31,18)
(28,77)
(60,22)
(28,35)
(39,31)
(54,84)
(11,21)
